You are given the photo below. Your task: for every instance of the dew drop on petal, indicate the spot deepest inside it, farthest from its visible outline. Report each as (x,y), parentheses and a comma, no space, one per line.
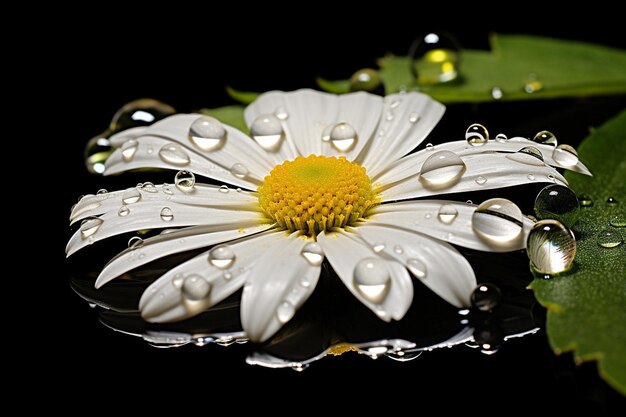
(131,196)
(174,154)
(123,211)
(498,222)
(414,117)
(545,138)
(224,189)
(480,180)
(135,242)
(267,131)
(476,135)
(372,280)
(195,288)
(530,177)
(378,247)
(281,113)
(557,202)
(430,147)
(148,187)
(185,181)
(501,138)
(90,226)
(565,156)
(398,249)
(313,253)
(447,214)
(285,311)
(166,214)
(129,149)
(551,247)
(102,191)
(416,267)
(221,256)
(343,137)
(207,133)
(609,238)
(528,155)
(441,169)
(239,170)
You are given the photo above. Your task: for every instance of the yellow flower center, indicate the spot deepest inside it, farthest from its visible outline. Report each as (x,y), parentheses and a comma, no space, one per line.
(317,193)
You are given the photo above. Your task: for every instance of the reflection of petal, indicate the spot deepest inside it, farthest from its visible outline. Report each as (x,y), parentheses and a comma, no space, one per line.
(278,284)
(163,301)
(447,273)
(345,250)
(421,217)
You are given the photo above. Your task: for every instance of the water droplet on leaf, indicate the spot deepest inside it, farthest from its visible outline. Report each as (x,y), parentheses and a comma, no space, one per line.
(557,202)
(551,247)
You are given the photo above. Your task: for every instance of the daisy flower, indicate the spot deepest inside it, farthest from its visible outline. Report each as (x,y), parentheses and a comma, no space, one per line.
(321,177)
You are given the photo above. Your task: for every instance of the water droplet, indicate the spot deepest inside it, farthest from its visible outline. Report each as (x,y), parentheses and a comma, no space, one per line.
(90,226)
(416,267)
(612,201)
(441,169)
(174,154)
(530,177)
(395,103)
(313,253)
(378,247)
(476,135)
(430,147)
(488,337)
(281,113)
(496,93)
(166,214)
(498,222)
(609,238)
(239,170)
(227,275)
(545,138)
(148,187)
(366,79)
(501,138)
(435,58)
(551,247)
(97,150)
(207,133)
(532,84)
(285,311)
(195,287)
(372,279)
(267,131)
(447,213)
(528,155)
(585,200)
(224,189)
(102,191)
(167,190)
(470,202)
(221,256)
(557,202)
(142,112)
(486,297)
(135,242)
(131,196)
(398,249)
(414,117)
(123,211)
(480,180)
(304,281)
(618,221)
(185,181)
(343,137)
(565,156)
(129,149)
(402,356)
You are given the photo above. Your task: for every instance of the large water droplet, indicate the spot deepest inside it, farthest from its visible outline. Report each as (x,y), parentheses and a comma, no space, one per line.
(447,213)
(435,58)
(565,155)
(123,211)
(131,196)
(90,226)
(486,297)
(207,133)
(557,202)
(285,311)
(166,214)
(222,256)
(142,112)
(609,238)
(97,150)
(185,181)
(476,135)
(441,169)
(195,287)
(416,267)
(372,280)
(239,170)
(551,247)
(545,138)
(267,131)
(174,154)
(528,155)
(343,137)
(498,222)
(313,253)
(366,79)
(129,149)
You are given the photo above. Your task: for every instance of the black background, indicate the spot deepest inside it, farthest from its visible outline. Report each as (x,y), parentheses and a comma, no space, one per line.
(189,69)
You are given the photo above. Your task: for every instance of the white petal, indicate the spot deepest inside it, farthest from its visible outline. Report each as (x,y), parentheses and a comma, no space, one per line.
(406,120)
(345,250)
(151,215)
(445,271)
(164,300)
(201,195)
(177,241)
(422,217)
(118,139)
(482,172)
(278,284)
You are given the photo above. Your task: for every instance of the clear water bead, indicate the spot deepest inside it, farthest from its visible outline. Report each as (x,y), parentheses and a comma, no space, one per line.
(129,149)
(557,202)
(123,211)
(313,253)
(501,138)
(528,155)
(372,280)
(545,138)
(476,135)
(195,288)
(90,226)
(486,297)
(221,256)
(285,311)
(343,137)
(441,169)
(267,131)
(174,154)
(565,156)
(435,58)
(447,214)
(131,196)
(551,247)
(166,214)
(207,133)
(609,238)
(416,267)
(498,222)
(239,170)
(185,181)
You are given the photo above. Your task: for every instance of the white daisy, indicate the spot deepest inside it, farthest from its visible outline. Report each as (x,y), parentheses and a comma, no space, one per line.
(322,176)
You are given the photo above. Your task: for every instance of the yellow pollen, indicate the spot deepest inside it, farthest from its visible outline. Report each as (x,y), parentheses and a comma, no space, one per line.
(317,193)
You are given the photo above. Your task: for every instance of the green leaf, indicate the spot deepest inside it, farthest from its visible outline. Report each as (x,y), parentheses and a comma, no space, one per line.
(244,97)
(230,115)
(562,69)
(587,305)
